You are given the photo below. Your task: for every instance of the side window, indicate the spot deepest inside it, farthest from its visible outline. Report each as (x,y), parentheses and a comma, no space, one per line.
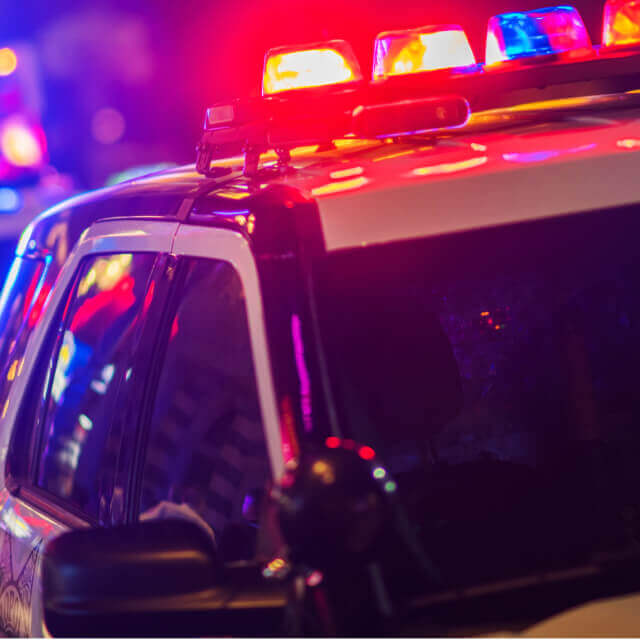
(206,457)
(91,361)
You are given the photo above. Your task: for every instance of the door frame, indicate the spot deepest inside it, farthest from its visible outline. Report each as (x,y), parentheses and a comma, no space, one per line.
(232,247)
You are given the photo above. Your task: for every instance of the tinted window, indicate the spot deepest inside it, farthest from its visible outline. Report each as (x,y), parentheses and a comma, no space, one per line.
(206,457)
(91,361)
(496,374)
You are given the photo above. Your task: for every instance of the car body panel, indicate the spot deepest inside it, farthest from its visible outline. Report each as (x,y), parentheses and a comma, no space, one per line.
(479,199)
(24,526)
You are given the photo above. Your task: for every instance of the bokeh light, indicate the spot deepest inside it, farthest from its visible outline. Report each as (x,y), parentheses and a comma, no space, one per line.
(10,200)
(8,61)
(20,145)
(107,125)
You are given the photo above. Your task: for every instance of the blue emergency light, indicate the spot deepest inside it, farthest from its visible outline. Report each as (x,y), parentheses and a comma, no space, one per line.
(518,35)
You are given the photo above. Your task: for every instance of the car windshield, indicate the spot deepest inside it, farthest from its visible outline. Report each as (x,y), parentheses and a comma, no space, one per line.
(495,372)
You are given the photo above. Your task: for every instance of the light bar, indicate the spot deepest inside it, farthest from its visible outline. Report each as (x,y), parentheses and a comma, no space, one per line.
(621,23)
(424,49)
(307,66)
(513,36)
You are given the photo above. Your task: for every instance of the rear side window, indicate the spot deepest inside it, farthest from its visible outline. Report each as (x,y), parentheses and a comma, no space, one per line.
(91,361)
(206,457)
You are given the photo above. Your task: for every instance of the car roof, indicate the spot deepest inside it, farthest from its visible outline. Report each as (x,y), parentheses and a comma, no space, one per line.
(158,195)
(580,161)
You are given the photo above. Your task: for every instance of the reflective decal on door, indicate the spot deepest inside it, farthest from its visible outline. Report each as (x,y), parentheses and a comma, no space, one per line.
(16,586)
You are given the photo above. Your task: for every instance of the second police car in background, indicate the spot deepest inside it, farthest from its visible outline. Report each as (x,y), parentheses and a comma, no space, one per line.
(369,367)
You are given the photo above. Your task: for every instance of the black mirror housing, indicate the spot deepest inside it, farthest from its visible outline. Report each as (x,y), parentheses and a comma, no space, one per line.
(332,509)
(150,579)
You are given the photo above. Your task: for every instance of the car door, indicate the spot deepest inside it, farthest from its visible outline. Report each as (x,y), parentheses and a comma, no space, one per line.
(211,439)
(61,431)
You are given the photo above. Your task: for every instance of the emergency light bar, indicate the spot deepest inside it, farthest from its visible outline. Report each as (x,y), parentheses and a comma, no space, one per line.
(423,80)
(554,30)
(621,23)
(424,49)
(255,126)
(315,65)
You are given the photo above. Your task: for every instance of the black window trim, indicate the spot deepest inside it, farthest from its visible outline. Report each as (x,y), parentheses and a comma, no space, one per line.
(176,278)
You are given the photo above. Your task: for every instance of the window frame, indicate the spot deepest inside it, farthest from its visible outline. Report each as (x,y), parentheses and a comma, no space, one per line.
(108,237)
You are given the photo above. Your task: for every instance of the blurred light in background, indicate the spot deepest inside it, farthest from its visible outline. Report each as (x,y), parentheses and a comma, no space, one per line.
(10,200)
(20,144)
(107,125)
(8,61)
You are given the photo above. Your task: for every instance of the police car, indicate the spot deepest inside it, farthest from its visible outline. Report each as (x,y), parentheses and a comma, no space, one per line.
(368,367)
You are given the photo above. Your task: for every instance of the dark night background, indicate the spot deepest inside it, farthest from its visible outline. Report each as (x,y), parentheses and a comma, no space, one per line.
(159,64)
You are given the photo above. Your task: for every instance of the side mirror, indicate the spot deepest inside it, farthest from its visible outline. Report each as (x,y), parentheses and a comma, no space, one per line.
(334,511)
(333,506)
(338,514)
(150,579)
